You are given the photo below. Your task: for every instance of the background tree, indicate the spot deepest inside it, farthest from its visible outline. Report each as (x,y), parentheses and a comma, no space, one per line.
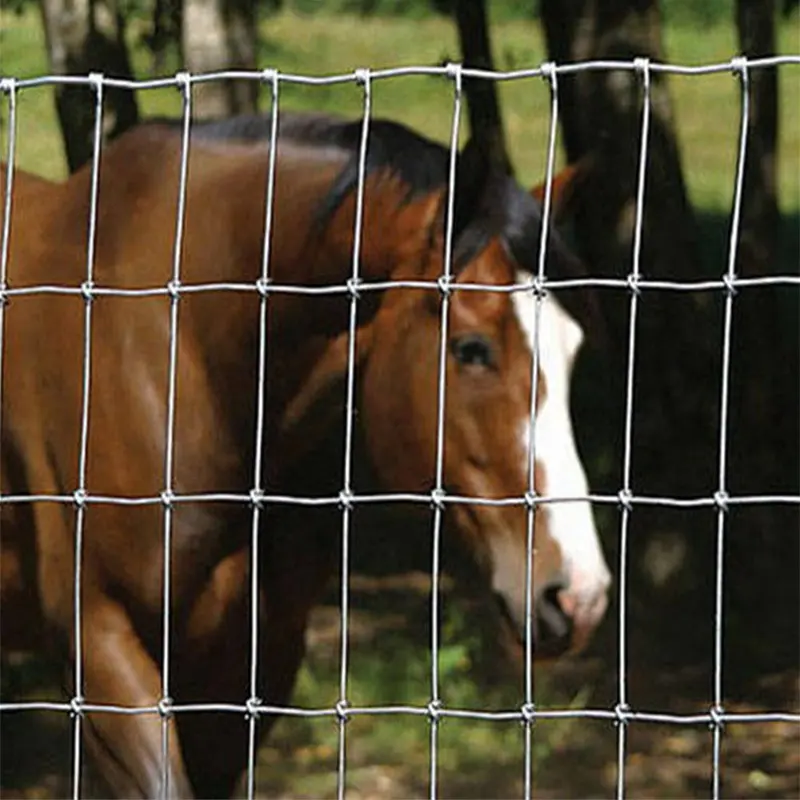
(220,35)
(755,24)
(676,406)
(85,36)
(486,124)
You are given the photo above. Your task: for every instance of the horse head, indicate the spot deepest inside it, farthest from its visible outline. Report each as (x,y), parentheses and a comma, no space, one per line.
(491,340)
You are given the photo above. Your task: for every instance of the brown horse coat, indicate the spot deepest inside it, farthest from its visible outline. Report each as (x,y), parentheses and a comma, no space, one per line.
(214,429)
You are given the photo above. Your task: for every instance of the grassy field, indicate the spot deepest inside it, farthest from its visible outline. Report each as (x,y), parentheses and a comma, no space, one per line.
(706,108)
(387,757)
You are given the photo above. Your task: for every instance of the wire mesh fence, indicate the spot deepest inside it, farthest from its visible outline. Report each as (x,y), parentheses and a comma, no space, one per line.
(635,284)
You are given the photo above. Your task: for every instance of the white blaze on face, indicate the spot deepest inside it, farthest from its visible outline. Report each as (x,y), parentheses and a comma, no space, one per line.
(570,524)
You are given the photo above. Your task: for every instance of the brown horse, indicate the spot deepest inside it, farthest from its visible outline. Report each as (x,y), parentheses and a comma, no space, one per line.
(486,429)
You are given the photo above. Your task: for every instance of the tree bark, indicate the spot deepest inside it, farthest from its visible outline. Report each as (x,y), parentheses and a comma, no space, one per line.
(486,124)
(85,36)
(760,220)
(221,35)
(601,114)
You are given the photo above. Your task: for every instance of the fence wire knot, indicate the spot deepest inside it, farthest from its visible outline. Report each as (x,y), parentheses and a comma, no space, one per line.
(739,65)
(257,498)
(444,282)
(548,70)
(625,497)
(342,709)
(164,707)
(717,714)
(721,500)
(435,710)
(96,81)
(437,499)
(346,500)
(730,284)
(622,714)
(633,284)
(252,706)
(531,500)
(183,81)
(167,498)
(353,289)
(454,71)
(362,76)
(87,291)
(3,294)
(174,289)
(8,85)
(528,713)
(262,286)
(76,706)
(270,76)
(536,287)
(79,498)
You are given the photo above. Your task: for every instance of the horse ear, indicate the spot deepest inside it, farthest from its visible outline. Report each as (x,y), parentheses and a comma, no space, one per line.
(565,188)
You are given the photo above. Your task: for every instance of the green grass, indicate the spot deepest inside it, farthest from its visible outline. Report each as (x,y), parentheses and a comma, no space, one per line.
(390,755)
(706,108)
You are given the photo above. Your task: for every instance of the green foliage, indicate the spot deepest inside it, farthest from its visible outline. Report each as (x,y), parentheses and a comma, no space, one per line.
(681,11)
(415,9)
(693,12)
(476,758)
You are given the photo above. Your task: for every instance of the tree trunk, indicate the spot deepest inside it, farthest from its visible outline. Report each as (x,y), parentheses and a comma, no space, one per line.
(676,376)
(221,35)
(485,122)
(601,114)
(676,406)
(85,36)
(766,350)
(167,27)
(760,222)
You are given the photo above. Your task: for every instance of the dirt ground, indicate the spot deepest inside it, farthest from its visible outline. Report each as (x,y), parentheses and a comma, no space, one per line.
(758,760)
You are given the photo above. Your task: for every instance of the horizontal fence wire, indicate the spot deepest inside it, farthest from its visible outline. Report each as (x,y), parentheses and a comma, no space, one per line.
(446,71)
(432,499)
(170,290)
(718,500)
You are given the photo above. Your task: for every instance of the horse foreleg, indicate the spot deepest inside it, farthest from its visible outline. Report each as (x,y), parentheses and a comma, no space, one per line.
(126,748)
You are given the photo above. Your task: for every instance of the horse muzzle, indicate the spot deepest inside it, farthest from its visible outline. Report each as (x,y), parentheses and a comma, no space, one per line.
(566,619)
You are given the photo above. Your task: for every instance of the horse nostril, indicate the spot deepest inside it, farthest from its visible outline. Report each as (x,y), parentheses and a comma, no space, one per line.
(554,627)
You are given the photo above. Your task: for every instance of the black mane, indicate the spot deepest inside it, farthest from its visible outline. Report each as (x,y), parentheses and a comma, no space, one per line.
(420,163)
(488,203)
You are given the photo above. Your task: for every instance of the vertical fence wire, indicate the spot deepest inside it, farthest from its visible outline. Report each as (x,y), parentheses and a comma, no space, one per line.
(740,69)
(80,492)
(184,82)
(9,88)
(364,79)
(643,67)
(434,706)
(254,700)
(549,74)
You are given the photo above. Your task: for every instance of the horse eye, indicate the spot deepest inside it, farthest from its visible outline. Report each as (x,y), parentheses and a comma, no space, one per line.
(473,350)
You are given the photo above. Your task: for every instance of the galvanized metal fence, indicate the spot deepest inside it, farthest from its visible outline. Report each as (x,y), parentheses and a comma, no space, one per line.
(728,284)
